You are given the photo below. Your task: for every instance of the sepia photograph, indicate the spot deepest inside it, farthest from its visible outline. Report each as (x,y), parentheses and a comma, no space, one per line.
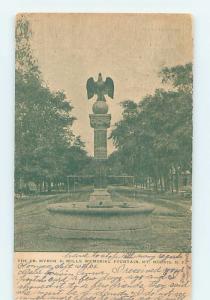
(103,132)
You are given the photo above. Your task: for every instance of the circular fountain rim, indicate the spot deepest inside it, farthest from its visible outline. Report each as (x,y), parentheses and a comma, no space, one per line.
(118,208)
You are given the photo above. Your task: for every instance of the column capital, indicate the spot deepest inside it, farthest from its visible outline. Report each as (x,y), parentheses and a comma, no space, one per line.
(100,121)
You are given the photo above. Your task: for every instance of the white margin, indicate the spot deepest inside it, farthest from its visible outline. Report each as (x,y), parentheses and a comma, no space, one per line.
(201,140)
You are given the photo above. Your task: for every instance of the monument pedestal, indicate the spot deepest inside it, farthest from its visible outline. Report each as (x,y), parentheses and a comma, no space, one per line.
(100,198)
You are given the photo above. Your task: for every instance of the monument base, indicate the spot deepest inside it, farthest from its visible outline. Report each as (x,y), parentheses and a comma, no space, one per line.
(100,198)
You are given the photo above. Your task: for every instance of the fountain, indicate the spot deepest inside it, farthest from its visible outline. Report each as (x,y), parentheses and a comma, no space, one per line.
(99,217)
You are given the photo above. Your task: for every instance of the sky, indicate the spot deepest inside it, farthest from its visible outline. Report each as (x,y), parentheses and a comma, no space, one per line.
(129,48)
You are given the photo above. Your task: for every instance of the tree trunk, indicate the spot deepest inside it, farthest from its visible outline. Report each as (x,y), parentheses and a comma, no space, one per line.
(177,181)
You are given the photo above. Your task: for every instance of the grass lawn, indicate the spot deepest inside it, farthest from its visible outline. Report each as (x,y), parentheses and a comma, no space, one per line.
(170,229)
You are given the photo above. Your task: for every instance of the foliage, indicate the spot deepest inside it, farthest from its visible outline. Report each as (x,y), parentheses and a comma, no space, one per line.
(181,77)
(46,147)
(154,137)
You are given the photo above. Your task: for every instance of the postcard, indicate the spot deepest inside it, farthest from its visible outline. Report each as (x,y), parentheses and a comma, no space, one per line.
(103,156)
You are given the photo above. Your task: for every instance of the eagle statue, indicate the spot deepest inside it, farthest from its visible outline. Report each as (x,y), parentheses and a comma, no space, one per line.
(100,88)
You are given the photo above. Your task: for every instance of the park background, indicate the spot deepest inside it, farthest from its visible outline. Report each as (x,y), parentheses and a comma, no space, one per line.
(150,59)
(150,149)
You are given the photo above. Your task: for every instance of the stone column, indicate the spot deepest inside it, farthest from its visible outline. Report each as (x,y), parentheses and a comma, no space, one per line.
(100,121)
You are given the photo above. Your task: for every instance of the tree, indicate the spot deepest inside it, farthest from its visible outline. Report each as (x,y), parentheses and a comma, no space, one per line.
(154,137)
(43,136)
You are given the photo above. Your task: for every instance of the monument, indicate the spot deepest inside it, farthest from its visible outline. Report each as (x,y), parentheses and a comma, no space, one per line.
(99,217)
(100,121)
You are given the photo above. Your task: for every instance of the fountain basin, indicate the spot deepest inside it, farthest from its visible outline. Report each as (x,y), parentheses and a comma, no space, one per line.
(122,221)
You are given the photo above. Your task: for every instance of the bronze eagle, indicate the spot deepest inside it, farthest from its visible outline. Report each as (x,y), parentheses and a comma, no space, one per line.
(100,88)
